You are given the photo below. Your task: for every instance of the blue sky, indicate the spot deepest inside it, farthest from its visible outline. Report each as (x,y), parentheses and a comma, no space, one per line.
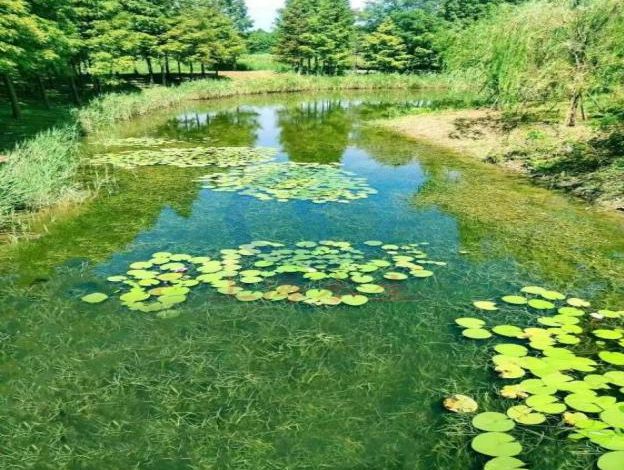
(263,12)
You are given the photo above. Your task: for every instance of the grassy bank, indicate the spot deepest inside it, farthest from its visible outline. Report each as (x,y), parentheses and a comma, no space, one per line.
(42,171)
(118,107)
(39,173)
(586,160)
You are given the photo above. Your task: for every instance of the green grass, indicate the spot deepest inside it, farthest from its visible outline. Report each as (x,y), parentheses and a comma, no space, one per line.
(39,172)
(118,107)
(260,62)
(35,118)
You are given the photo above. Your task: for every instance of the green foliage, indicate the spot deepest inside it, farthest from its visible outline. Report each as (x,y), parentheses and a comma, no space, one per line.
(543,52)
(38,172)
(315,36)
(385,50)
(261,41)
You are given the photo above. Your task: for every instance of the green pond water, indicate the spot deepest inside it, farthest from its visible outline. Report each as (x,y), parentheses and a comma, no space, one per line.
(228,384)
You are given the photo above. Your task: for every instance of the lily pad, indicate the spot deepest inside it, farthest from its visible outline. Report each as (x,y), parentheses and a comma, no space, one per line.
(540,304)
(354,300)
(611,461)
(95,298)
(514,299)
(612,357)
(467,322)
(504,463)
(525,415)
(476,333)
(485,305)
(370,289)
(493,422)
(514,350)
(496,444)
(460,404)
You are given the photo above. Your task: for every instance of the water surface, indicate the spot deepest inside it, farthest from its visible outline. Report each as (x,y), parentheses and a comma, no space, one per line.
(231,385)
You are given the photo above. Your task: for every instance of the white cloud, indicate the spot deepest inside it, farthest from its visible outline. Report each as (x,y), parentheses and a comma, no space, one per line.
(264,12)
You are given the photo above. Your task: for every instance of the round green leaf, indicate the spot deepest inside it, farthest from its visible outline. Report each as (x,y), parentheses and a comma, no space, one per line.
(514,299)
(468,322)
(354,300)
(493,422)
(95,298)
(485,305)
(496,444)
(514,350)
(611,461)
(504,463)
(476,333)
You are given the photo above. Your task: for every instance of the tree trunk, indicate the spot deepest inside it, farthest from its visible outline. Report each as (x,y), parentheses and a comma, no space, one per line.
(163,74)
(191,68)
(179,70)
(167,64)
(203,70)
(150,69)
(572,112)
(74,90)
(17,112)
(43,92)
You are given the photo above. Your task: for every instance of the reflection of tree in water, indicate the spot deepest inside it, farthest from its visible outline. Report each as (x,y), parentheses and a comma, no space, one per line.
(236,128)
(316,131)
(384,147)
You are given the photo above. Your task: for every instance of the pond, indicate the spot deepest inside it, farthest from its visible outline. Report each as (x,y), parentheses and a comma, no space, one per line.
(214,381)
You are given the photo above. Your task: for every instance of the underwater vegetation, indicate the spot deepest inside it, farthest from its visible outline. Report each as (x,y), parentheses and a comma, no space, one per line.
(567,368)
(314,182)
(325,273)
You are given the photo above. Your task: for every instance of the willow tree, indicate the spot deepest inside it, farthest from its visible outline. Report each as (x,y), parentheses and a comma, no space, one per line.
(543,52)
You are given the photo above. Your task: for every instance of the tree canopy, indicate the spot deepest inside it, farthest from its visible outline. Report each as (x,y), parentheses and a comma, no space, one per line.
(316,36)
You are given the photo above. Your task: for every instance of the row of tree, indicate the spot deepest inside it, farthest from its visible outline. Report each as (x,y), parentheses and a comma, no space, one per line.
(516,51)
(324,36)
(101,38)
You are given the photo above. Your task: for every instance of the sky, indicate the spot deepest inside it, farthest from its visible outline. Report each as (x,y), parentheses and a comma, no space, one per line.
(263,12)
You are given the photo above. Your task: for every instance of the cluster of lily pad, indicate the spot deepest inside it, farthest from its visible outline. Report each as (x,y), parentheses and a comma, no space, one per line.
(569,367)
(325,273)
(138,142)
(185,157)
(318,183)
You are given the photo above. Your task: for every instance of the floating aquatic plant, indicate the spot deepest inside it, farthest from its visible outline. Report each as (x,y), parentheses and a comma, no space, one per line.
(185,157)
(568,367)
(283,182)
(325,273)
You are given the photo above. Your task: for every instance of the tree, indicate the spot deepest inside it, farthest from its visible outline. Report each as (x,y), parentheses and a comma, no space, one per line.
(315,36)
(261,41)
(237,11)
(544,52)
(29,43)
(384,49)
(419,29)
(335,25)
(204,35)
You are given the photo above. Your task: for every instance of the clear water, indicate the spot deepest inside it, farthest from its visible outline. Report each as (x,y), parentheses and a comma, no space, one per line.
(231,385)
